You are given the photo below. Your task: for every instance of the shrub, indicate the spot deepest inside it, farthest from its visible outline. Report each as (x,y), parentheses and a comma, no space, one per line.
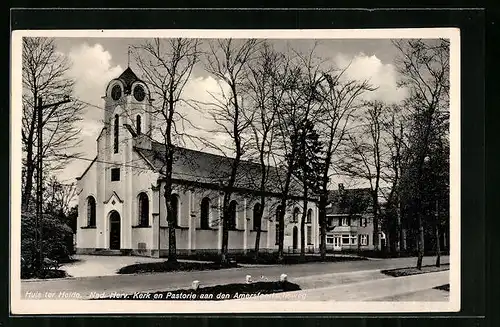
(55,246)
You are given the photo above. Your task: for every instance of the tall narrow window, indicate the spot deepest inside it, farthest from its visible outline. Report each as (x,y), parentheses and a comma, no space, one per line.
(257,217)
(138,124)
(117,123)
(278,211)
(174,202)
(309,216)
(143,209)
(231,224)
(205,213)
(91,212)
(309,234)
(296,212)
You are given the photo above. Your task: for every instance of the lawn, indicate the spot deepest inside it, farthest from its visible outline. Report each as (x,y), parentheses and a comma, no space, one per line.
(213,293)
(443,287)
(409,271)
(209,261)
(271,258)
(166,266)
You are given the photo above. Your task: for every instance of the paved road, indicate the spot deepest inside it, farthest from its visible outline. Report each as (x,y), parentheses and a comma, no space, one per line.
(174,280)
(368,290)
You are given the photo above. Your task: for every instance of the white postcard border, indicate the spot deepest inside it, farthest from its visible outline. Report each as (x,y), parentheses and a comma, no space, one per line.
(24,306)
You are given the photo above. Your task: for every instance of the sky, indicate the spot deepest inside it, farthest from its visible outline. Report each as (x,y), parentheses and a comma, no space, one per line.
(96,61)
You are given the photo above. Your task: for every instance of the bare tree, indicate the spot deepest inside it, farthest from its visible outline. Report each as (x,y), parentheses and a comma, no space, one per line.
(365,155)
(166,66)
(309,152)
(265,98)
(45,75)
(341,98)
(227,60)
(424,69)
(59,196)
(395,126)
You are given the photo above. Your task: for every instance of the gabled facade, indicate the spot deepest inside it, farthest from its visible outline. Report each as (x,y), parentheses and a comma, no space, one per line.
(121,202)
(350,220)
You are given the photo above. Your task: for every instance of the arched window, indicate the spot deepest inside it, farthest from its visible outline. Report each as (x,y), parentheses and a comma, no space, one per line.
(143,202)
(91,212)
(117,123)
(278,210)
(205,213)
(257,217)
(231,224)
(296,213)
(174,201)
(138,124)
(309,216)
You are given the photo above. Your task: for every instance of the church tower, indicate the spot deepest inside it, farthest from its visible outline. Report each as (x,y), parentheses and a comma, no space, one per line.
(127,103)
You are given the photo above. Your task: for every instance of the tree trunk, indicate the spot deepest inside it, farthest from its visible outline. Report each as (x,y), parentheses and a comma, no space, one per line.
(438,247)
(172,241)
(260,214)
(257,243)
(281,216)
(303,227)
(322,224)
(376,240)
(225,232)
(28,187)
(259,227)
(420,241)
(400,247)
(438,238)
(281,228)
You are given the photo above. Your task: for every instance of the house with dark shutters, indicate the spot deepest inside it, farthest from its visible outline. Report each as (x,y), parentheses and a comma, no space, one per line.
(350,220)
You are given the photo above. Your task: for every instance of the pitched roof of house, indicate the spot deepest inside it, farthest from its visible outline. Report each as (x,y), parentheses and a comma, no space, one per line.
(197,166)
(355,200)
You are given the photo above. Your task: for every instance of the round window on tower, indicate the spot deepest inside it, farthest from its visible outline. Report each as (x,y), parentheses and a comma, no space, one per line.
(116,92)
(139,93)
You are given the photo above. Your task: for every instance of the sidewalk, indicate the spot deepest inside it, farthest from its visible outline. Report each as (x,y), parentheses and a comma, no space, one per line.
(97,266)
(370,290)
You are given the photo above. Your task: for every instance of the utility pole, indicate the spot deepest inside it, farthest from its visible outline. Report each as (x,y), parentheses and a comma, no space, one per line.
(39,187)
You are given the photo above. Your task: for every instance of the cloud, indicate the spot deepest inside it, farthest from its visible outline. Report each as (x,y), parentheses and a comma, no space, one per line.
(371,68)
(201,93)
(92,69)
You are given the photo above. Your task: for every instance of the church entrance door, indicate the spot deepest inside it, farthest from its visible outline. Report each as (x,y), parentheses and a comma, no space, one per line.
(114,231)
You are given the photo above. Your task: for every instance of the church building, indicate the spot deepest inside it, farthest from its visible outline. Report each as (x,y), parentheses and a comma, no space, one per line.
(121,207)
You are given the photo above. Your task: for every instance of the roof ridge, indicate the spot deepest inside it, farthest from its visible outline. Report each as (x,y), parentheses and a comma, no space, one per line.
(209,153)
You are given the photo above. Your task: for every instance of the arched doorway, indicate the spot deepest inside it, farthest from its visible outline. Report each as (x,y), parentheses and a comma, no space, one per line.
(295,237)
(114,230)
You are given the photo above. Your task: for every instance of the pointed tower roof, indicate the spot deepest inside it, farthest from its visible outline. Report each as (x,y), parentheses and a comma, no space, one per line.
(128,77)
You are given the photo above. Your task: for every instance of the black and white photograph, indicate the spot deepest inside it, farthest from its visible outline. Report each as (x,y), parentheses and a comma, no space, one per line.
(235,171)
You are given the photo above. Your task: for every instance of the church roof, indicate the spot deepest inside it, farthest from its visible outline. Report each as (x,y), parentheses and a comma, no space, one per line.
(196,166)
(128,77)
